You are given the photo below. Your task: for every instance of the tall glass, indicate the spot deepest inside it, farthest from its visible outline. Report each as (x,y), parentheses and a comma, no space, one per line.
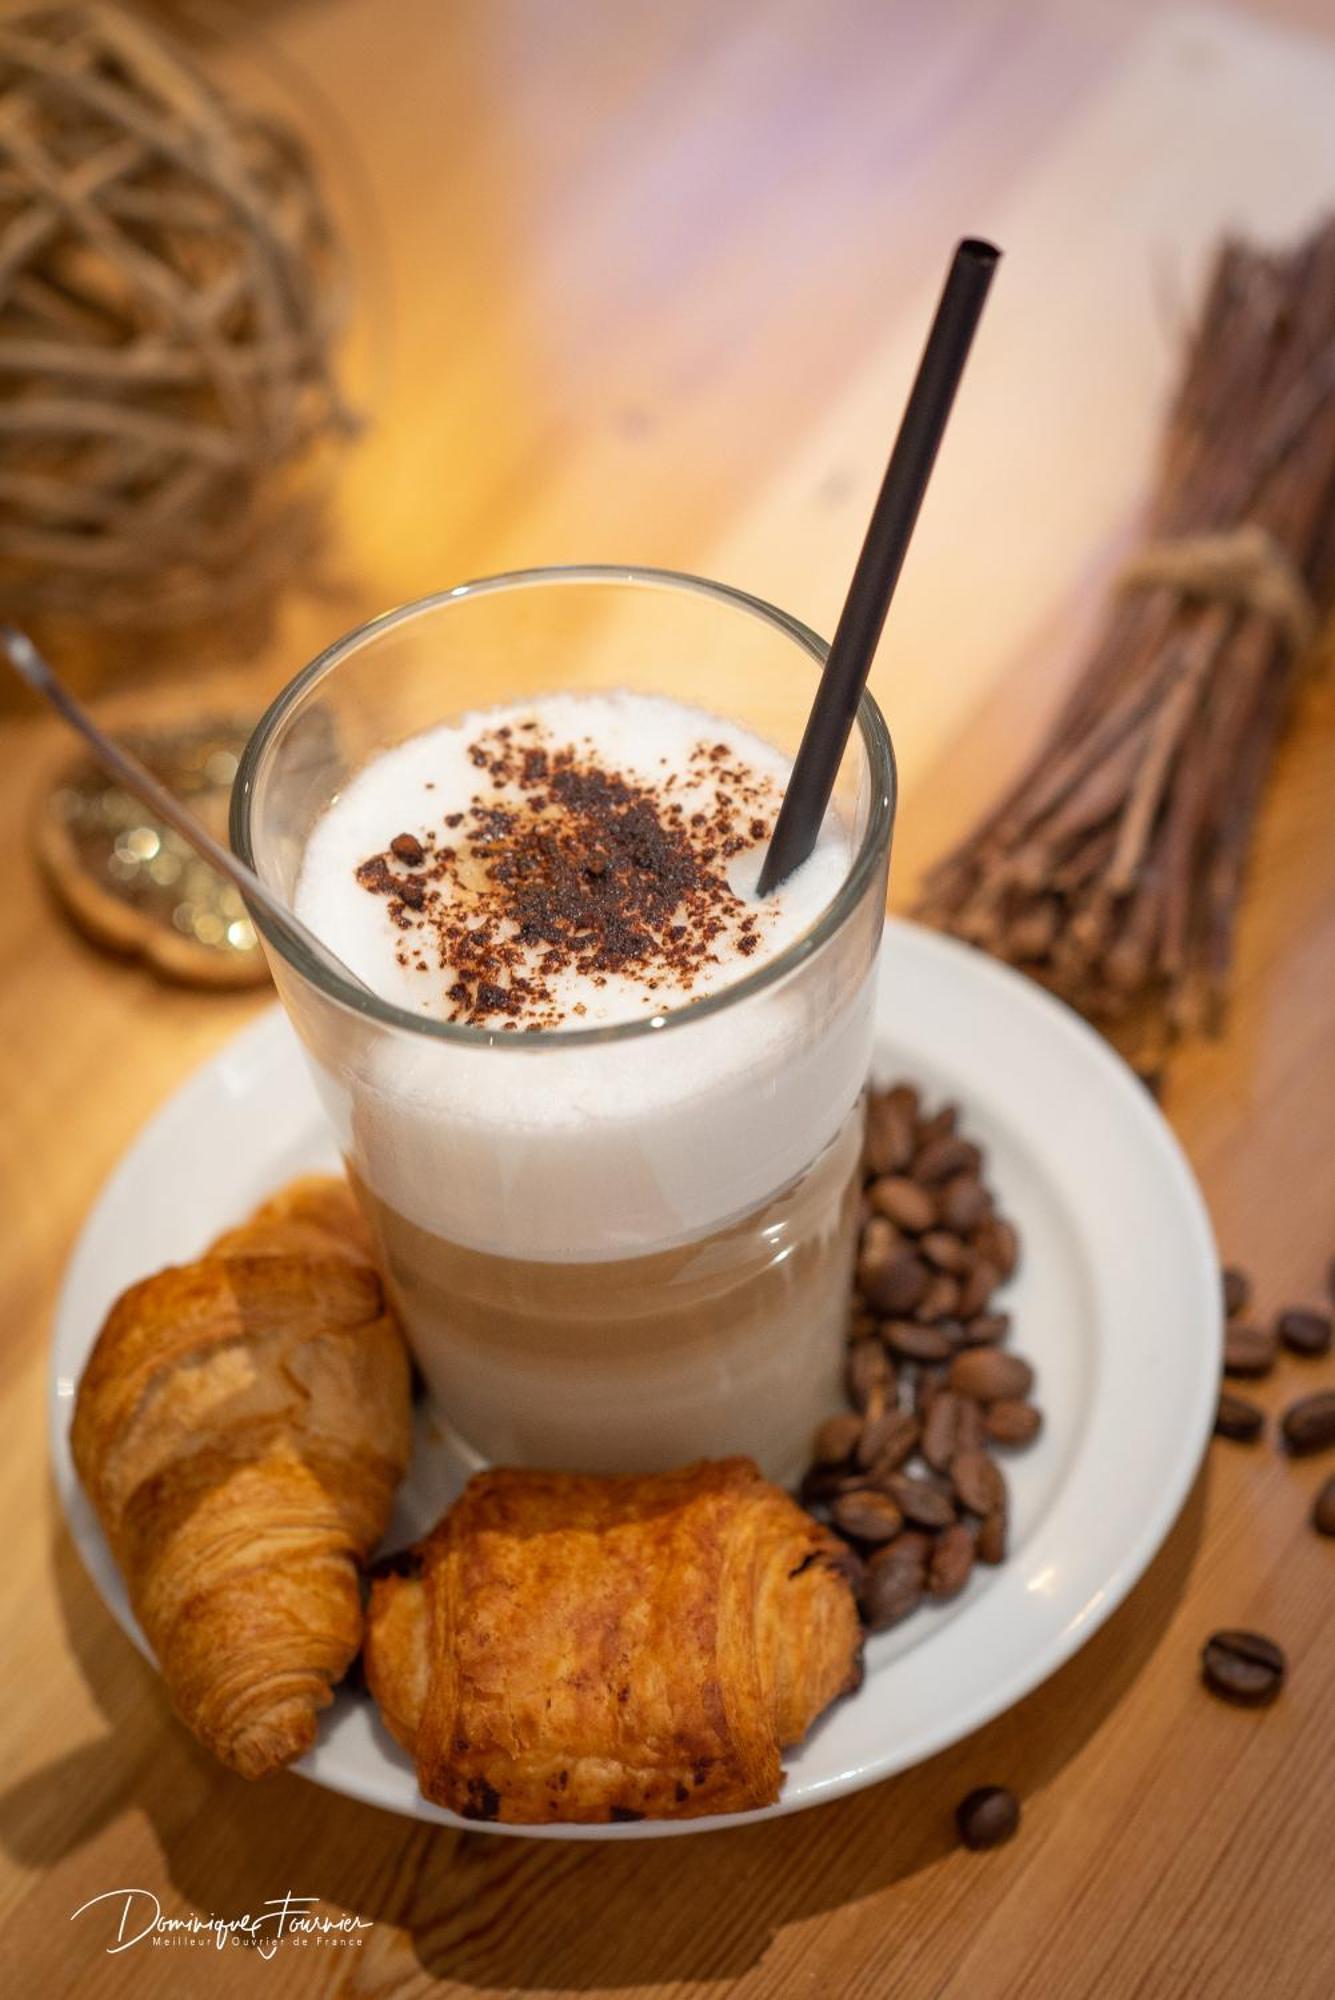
(614,1248)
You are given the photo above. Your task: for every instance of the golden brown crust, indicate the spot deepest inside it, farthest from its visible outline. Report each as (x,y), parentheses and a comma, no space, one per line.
(241,1427)
(593,1650)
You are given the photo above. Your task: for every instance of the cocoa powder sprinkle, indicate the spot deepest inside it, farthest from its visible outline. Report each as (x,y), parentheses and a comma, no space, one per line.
(565,866)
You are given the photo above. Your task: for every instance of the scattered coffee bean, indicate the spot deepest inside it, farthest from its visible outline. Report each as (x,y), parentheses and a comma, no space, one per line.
(1303,1332)
(978,1482)
(940,1430)
(837,1440)
(906,1204)
(894,1581)
(1012,1422)
(405,848)
(993,1537)
(1243,1667)
(987,1817)
(1323,1508)
(867,1516)
(1238,1418)
(1237,1290)
(991,1375)
(952,1561)
(888,1441)
(1309,1424)
(917,1343)
(1249,1351)
(941,1299)
(925,1505)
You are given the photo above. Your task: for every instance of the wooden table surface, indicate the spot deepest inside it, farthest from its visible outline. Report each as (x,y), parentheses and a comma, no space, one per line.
(619,263)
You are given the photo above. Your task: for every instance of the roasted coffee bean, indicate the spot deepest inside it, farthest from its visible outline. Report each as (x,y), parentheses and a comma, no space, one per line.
(912,1342)
(991,1375)
(964,1203)
(942,1159)
(888,1147)
(968,1426)
(952,1561)
(867,1516)
(930,1383)
(868,1375)
(1303,1332)
(919,1501)
(879,1242)
(1000,1244)
(992,1537)
(987,1329)
(837,1440)
(1323,1508)
(1237,1290)
(1248,1351)
(896,1285)
(888,1441)
(978,1482)
(1309,1424)
(1243,1666)
(1237,1418)
(404,847)
(987,1817)
(941,1125)
(944,1249)
(940,1430)
(940,1300)
(907,1205)
(978,1288)
(894,1581)
(1012,1422)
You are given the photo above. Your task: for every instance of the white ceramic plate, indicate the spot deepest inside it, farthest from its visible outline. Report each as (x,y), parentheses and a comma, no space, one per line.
(1117,1303)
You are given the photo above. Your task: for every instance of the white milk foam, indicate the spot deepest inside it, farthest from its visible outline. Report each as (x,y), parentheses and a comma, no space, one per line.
(643,737)
(527,1146)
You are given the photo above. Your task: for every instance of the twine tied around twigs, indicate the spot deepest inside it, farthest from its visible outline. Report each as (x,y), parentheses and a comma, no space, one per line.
(1244,566)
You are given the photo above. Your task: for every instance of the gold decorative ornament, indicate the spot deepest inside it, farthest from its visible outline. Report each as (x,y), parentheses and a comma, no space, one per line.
(170,293)
(134,885)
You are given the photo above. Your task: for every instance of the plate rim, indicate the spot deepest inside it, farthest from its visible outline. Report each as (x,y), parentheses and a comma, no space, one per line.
(242,1048)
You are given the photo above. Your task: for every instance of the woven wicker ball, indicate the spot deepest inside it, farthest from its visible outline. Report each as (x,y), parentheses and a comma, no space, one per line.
(170,290)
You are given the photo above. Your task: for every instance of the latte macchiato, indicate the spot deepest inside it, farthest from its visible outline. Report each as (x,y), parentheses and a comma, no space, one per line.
(610,1251)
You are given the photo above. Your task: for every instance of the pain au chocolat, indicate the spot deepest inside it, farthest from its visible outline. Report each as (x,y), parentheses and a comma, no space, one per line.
(563,1648)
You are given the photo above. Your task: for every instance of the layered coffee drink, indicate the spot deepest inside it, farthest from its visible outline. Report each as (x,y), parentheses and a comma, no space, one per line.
(614,1181)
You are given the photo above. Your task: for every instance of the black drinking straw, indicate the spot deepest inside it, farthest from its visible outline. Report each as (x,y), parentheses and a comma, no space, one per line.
(892,522)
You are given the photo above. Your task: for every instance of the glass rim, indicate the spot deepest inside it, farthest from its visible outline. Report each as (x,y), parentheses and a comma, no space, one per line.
(872,729)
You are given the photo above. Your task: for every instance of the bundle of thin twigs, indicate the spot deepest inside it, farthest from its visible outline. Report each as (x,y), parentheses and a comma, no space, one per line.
(1112,869)
(170,290)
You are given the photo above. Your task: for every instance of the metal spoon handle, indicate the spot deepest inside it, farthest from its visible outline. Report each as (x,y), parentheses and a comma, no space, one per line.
(39,675)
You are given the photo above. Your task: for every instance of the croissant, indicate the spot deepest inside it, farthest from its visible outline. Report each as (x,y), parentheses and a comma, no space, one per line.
(566,1648)
(241,1427)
